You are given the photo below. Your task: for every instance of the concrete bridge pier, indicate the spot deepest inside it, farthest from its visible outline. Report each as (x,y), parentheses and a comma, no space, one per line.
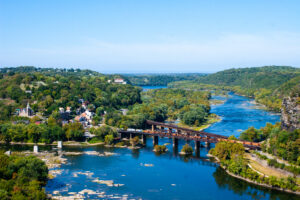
(175,142)
(197,145)
(131,136)
(153,127)
(197,148)
(155,140)
(175,150)
(144,139)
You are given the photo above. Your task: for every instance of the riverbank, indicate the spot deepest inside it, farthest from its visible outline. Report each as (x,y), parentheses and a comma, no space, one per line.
(252,181)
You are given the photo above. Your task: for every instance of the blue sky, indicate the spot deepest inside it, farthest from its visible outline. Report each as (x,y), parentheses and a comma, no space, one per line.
(150,36)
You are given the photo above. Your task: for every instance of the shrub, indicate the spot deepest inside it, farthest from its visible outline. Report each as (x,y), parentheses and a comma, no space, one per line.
(160,148)
(109,139)
(187,149)
(119,144)
(134,141)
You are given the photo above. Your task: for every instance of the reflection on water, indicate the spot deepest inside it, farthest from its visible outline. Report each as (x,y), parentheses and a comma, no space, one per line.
(226,182)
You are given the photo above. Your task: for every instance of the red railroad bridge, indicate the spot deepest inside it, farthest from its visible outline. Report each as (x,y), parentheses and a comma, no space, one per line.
(159,129)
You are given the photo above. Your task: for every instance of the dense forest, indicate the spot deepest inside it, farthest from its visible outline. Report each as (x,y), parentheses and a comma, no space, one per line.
(191,107)
(160,79)
(22,177)
(268,85)
(281,143)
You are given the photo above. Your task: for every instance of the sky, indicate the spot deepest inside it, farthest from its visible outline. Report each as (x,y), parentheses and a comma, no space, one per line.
(126,36)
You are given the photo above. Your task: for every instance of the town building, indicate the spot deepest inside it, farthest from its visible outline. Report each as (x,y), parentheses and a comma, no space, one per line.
(25,112)
(120,81)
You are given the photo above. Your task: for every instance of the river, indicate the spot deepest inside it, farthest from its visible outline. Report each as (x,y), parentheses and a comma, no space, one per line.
(146,175)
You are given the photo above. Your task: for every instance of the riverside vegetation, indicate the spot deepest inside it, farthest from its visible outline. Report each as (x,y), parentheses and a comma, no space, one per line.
(48,90)
(231,157)
(22,177)
(267,85)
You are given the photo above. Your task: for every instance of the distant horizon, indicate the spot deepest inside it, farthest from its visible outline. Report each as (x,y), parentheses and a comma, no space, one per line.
(145,72)
(135,36)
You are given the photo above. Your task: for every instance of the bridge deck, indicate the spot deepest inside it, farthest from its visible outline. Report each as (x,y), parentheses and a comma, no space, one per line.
(191,131)
(251,145)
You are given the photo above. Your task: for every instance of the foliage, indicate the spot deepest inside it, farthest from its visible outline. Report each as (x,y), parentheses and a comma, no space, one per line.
(109,139)
(231,158)
(95,140)
(103,131)
(54,88)
(281,143)
(160,79)
(187,149)
(232,137)
(22,177)
(160,148)
(192,107)
(227,150)
(268,85)
(135,141)
(74,131)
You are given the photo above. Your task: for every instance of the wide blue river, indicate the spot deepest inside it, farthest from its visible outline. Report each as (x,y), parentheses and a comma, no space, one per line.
(144,175)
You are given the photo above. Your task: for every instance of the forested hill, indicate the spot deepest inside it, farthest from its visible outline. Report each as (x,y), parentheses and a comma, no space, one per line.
(48,89)
(160,79)
(269,77)
(268,85)
(48,71)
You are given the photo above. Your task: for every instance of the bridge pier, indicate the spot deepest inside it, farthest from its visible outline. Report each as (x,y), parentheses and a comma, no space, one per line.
(144,139)
(153,127)
(175,150)
(175,142)
(155,140)
(197,145)
(130,136)
(207,144)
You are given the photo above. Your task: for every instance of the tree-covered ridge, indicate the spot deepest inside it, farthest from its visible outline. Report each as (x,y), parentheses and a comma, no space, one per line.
(160,79)
(191,107)
(269,77)
(46,93)
(22,177)
(268,85)
(48,71)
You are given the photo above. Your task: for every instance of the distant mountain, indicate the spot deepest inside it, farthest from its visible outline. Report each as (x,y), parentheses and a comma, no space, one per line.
(160,79)
(269,77)
(268,84)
